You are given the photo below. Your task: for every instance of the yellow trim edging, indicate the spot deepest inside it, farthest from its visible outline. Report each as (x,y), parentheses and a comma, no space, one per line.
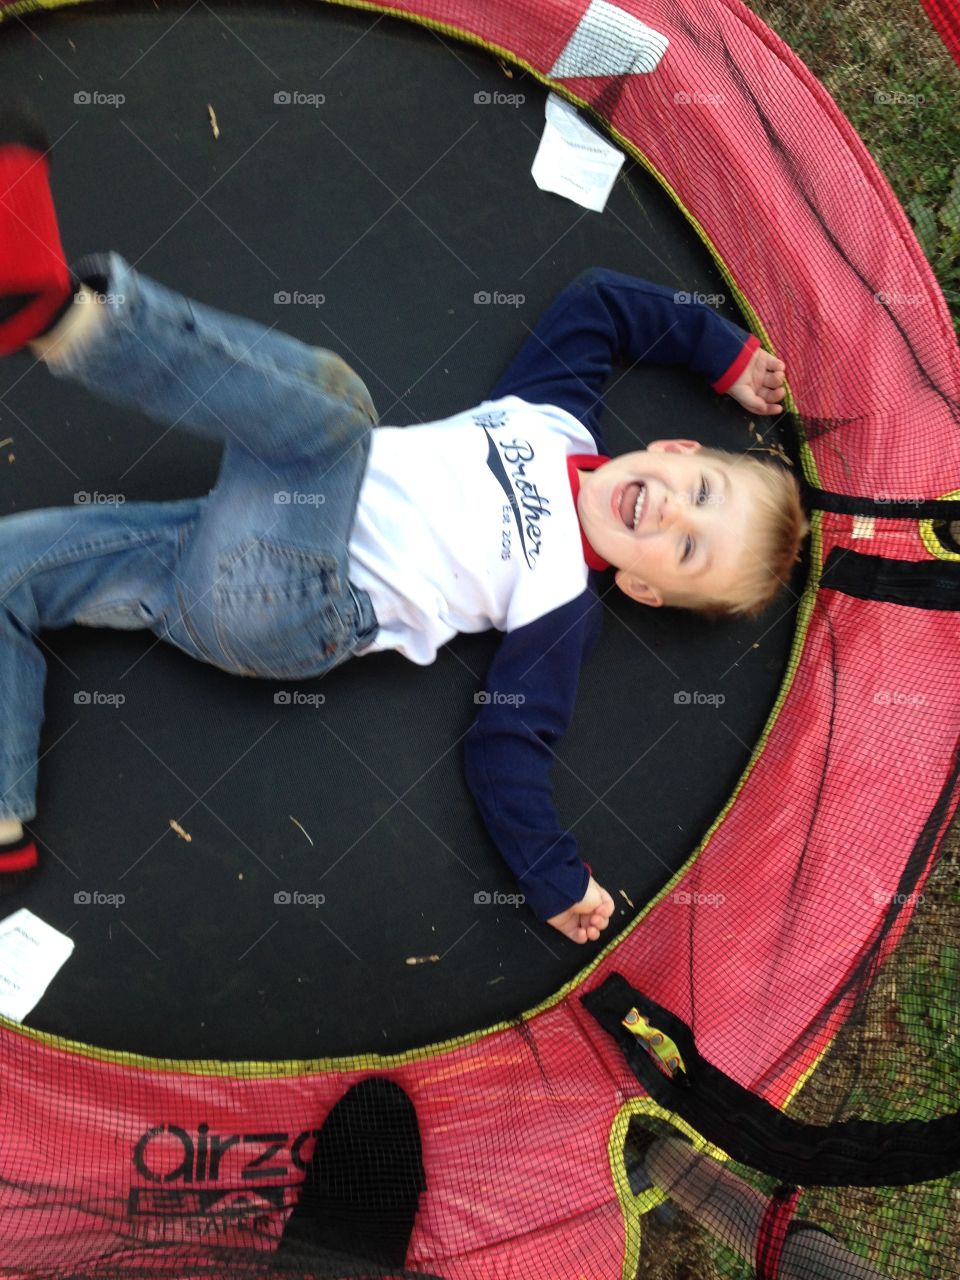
(930,539)
(33,6)
(633,1207)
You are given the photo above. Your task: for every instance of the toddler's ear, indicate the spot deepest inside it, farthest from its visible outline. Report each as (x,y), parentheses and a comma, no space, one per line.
(674,446)
(638,590)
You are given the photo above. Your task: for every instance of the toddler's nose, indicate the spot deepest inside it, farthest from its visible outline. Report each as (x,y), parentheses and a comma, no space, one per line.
(668,511)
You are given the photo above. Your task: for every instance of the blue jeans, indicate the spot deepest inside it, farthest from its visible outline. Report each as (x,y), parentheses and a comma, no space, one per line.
(252,578)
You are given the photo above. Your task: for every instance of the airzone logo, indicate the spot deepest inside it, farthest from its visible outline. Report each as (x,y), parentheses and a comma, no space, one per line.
(175,1213)
(167,1154)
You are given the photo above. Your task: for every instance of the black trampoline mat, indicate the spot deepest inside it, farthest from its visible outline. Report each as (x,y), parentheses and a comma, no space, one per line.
(399,199)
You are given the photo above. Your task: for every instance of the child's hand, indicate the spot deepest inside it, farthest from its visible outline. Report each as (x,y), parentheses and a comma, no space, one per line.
(760,387)
(583,921)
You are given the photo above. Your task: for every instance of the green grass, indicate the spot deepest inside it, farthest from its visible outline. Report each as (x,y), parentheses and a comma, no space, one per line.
(903,1062)
(889,72)
(899,1059)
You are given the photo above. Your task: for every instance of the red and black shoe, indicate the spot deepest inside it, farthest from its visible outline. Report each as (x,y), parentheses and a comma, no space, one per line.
(18,859)
(35,284)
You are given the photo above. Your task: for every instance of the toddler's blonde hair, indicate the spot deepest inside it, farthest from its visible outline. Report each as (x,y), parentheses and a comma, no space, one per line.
(779,528)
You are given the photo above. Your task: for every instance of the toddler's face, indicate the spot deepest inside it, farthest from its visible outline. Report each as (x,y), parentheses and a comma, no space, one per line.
(668,521)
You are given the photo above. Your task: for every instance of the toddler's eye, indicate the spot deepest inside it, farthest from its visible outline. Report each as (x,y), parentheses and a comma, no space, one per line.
(702,492)
(687,549)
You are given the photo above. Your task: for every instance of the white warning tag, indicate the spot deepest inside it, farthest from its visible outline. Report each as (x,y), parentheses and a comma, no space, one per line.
(573,159)
(610,42)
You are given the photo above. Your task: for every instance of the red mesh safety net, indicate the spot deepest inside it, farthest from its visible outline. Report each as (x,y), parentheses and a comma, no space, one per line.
(711,1056)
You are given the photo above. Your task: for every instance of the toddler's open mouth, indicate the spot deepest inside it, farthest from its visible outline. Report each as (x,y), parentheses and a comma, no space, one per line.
(633,502)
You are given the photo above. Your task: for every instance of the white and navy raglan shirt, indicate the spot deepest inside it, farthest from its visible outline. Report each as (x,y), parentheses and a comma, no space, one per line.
(469,524)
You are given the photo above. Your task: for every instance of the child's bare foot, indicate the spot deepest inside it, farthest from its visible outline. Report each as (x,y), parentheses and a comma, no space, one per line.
(584,921)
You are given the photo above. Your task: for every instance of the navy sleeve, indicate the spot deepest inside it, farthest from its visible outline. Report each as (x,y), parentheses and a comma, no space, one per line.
(648,323)
(604,316)
(530,691)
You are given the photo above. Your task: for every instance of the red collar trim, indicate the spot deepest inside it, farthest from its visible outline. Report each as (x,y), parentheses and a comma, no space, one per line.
(586,462)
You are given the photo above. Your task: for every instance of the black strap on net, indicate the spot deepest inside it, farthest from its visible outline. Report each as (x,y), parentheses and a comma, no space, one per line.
(880,507)
(854,1153)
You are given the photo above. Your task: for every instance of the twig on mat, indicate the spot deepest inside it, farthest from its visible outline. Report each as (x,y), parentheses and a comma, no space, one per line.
(300,825)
